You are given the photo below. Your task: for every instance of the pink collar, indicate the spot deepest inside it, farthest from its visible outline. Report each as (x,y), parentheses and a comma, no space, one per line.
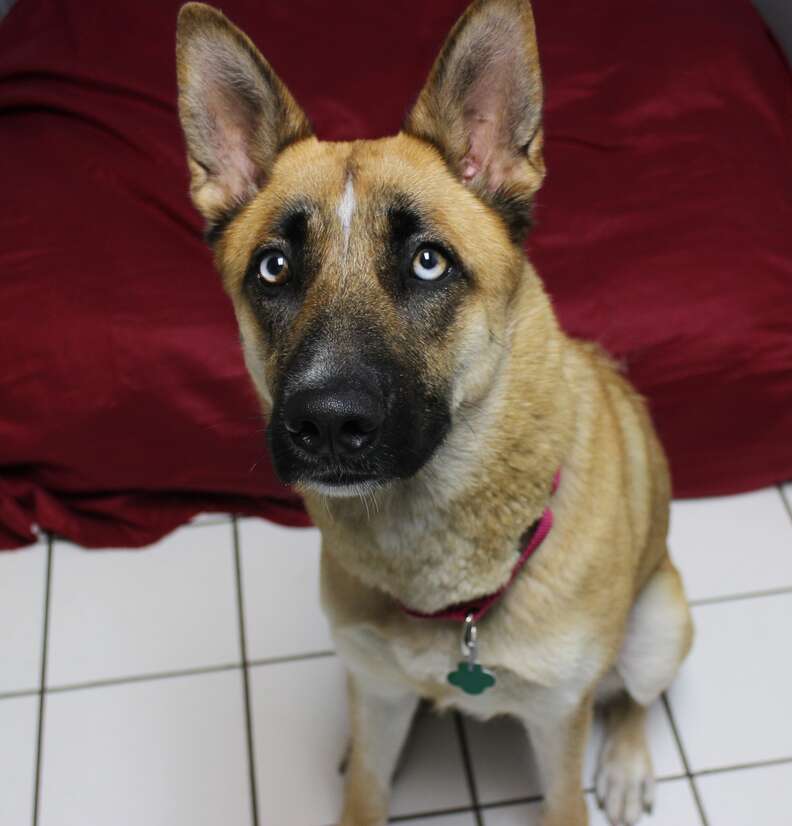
(480,607)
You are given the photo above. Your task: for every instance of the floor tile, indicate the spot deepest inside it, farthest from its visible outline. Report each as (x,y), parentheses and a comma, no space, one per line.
(502,760)
(505,768)
(432,773)
(22,584)
(125,613)
(18,732)
(280,577)
(522,814)
(762,795)
(731,699)
(787,491)
(209,519)
(460,819)
(300,729)
(732,545)
(159,752)
(674,806)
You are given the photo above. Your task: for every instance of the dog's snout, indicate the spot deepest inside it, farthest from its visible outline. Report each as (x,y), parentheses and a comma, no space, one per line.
(334,420)
(348,416)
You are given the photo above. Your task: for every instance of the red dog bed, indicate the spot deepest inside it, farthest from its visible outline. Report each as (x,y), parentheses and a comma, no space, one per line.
(664,232)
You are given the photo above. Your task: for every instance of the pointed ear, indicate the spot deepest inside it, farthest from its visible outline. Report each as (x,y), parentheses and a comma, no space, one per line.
(482,105)
(235,112)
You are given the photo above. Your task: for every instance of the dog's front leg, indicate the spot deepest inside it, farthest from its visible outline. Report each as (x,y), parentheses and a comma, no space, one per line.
(559,741)
(380,716)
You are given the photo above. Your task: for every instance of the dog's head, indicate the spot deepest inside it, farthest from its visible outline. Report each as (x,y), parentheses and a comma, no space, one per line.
(373,281)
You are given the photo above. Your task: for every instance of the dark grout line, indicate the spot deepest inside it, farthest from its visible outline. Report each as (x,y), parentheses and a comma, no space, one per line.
(251,740)
(143,678)
(42,684)
(786,503)
(512,801)
(697,800)
(295,658)
(675,731)
(770,592)
(22,692)
(165,675)
(685,761)
(468,765)
(432,813)
(758,764)
(456,810)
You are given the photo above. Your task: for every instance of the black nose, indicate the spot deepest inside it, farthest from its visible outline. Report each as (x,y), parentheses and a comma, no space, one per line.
(334,420)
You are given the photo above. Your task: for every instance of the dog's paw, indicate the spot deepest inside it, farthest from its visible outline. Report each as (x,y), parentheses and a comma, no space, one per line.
(624,784)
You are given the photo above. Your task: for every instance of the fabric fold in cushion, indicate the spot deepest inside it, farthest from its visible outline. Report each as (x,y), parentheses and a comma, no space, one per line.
(663,232)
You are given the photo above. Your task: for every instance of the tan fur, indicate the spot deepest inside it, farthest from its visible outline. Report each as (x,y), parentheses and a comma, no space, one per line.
(599,610)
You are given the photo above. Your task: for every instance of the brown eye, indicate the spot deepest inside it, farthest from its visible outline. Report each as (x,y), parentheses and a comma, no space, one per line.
(273,268)
(429,264)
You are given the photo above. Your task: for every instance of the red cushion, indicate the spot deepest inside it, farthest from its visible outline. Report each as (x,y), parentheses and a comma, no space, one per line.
(664,232)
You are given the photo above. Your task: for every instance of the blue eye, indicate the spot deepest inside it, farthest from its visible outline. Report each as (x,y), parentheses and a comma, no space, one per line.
(429,264)
(274,268)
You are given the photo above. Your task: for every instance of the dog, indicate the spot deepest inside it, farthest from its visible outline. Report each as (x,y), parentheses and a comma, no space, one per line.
(480,479)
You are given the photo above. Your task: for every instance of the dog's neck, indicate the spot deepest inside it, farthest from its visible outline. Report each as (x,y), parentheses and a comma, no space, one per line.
(452,533)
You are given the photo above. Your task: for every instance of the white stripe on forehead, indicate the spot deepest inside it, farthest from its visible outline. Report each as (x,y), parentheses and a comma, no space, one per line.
(346,206)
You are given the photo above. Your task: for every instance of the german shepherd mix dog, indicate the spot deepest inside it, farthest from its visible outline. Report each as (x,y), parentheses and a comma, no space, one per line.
(423,399)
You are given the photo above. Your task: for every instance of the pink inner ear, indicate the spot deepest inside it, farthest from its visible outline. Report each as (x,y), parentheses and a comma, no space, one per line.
(485,115)
(471,167)
(489,157)
(482,141)
(231,138)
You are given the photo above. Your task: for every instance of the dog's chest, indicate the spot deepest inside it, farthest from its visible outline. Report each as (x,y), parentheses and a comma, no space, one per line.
(421,660)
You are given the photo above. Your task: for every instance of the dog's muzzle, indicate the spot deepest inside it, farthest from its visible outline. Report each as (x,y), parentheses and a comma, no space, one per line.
(342,424)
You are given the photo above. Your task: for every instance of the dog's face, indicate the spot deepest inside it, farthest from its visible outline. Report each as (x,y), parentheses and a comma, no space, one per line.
(372,280)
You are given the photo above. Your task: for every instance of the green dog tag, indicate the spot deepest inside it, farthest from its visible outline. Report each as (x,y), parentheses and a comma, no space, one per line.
(469,675)
(472,679)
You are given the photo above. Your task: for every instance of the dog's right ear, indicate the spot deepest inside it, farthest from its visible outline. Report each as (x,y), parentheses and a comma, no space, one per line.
(236,113)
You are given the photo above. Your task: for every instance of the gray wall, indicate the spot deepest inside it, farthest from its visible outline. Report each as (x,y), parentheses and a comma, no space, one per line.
(778,15)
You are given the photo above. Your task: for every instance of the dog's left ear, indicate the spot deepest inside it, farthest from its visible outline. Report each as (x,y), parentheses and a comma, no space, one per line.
(482,106)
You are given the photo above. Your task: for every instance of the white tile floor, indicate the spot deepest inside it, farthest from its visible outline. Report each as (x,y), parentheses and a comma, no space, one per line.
(185,685)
